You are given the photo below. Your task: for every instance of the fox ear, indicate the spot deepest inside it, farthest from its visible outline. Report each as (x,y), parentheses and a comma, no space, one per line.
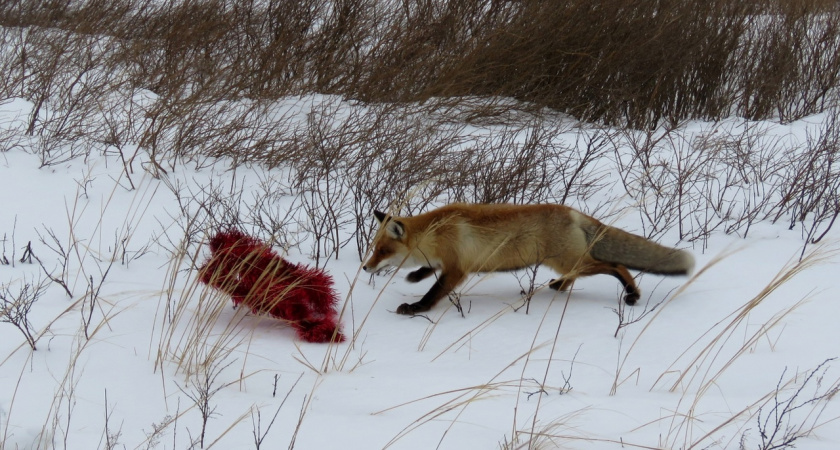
(395,229)
(380,216)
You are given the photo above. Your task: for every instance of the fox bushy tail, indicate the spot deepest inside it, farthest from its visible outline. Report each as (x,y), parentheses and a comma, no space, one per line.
(612,245)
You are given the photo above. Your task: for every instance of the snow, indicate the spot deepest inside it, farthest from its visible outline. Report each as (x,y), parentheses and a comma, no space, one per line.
(487,378)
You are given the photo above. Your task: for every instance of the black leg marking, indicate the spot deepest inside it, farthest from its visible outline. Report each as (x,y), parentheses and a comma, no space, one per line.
(444,284)
(631,293)
(428,300)
(420,274)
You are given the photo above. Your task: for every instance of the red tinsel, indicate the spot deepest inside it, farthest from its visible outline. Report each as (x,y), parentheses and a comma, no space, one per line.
(254,275)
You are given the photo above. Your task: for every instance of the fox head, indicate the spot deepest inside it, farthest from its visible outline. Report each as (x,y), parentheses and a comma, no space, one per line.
(391,245)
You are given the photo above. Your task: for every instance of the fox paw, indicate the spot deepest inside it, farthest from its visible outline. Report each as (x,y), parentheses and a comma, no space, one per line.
(407,309)
(631,298)
(559,284)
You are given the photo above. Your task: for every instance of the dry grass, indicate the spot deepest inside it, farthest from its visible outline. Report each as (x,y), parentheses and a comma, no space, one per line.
(713,356)
(439,102)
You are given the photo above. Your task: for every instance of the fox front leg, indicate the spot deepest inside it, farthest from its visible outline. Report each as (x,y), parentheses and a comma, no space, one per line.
(419,274)
(444,284)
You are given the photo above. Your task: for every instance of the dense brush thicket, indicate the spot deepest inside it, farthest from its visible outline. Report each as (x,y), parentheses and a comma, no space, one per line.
(634,62)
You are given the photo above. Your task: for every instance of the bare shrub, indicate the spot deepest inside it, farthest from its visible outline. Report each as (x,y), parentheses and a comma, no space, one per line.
(750,162)
(327,146)
(629,316)
(111,436)
(810,182)
(11,71)
(224,205)
(790,61)
(259,435)
(515,165)
(399,156)
(202,386)
(91,297)
(529,286)
(779,427)
(67,78)
(61,274)
(729,176)
(15,305)
(269,216)
(662,175)
(324,202)
(195,129)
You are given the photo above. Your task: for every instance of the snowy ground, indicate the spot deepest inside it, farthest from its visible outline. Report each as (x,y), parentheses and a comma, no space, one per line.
(690,374)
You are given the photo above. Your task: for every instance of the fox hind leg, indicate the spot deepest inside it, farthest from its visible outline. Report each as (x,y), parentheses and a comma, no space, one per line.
(561,284)
(631,291)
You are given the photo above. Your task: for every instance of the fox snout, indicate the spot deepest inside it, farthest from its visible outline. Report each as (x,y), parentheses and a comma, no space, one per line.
(373,266)
(382,255)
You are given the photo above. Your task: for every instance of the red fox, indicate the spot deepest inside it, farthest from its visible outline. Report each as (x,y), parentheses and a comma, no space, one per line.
(460,239)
